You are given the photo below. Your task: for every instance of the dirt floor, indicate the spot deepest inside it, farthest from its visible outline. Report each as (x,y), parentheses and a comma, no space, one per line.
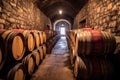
(56,66)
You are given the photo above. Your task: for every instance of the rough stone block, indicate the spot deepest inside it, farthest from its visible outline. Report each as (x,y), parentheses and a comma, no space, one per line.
(4,16)
(11,19)
(2,21)
(112,24)
(114,17)
(1,26)
(13,4)
(110,6)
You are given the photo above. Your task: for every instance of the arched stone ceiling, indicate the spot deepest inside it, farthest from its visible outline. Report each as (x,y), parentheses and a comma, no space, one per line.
(69,7)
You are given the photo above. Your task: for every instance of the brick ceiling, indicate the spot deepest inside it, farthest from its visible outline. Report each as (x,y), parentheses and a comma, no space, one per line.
(69,7)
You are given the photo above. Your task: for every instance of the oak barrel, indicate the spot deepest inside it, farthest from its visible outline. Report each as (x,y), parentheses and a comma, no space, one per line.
(40,50)
(44,50)
(29,63)
(15,44)
(93,68)
(41,37)
(36,55)
(44,37)
(72,35)
(2,53)
(36,38)
(29,40)
(17,73)
(87,28)
(95,42)
(73,55)
(2,30)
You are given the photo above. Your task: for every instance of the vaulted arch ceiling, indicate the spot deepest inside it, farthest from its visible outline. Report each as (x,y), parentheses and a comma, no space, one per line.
(69,7)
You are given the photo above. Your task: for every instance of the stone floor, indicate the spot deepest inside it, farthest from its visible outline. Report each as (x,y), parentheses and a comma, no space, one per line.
(56,66)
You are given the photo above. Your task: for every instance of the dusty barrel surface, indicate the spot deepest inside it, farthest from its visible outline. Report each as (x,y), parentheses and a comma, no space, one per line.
(29,40)
(44,50)
(95,42)
(84,29)
(37,57)
(17,72)
(73,55)
(29,63)
(93,69)
(72,35)
(41,37)
(44,37)
(2,52)
(41,52)
(2,30)
(36,38)
(15,44)
(71,51)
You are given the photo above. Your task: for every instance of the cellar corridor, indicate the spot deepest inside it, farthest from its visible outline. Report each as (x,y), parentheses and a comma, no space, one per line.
(59,39)
(56,66)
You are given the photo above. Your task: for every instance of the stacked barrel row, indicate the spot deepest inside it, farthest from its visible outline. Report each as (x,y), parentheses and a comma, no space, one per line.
(50,34)
(88,54)
(21,52)
(52,38)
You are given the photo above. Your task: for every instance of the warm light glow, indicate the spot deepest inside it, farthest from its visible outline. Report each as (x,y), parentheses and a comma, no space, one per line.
(60,11)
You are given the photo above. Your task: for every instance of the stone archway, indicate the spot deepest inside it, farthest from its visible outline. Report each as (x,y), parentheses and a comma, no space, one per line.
(61,20)
(62,24)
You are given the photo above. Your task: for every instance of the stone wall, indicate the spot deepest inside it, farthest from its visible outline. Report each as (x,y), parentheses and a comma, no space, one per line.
(101,15)
(80,16)
(21,14)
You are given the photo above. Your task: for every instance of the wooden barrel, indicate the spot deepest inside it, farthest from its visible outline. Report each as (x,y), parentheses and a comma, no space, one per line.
(37,57)
(86,28)
(93,68)
(14,44)
(36,37)
(44,37)
(29,64)
(44,50)
(2,53)
(40,49)
(83,43)
(109,42)
(17,72)
(72,51)
(29,40)
(73,34)
(73,55)
(95,42)
(70,44)
(2,30)
(18,30)
(41,37)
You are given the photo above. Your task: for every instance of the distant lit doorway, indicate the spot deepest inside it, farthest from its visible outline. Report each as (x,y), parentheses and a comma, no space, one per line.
(62,31)
(62,26)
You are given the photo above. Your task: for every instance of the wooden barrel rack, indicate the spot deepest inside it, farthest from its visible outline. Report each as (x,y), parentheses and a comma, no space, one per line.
(91,54)
(21,52)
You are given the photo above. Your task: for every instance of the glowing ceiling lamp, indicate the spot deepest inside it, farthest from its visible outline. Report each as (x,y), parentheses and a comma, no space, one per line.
(60,11)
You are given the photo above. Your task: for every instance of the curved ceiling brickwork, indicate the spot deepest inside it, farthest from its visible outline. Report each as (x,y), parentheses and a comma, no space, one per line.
(70,8)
